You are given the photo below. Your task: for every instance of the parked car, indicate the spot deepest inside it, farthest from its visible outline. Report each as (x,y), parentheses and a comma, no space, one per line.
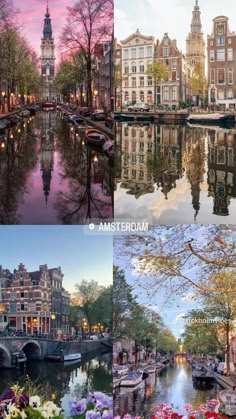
(222,368)
(98,115)
(139,107)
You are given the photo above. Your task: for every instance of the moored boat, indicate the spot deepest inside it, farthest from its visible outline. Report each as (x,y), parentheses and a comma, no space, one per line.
(95,137)
(228,402)
(72,357)
(132,379)
(108,148)
(211,118)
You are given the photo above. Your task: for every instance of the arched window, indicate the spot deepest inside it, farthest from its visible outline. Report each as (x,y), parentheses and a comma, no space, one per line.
(141,96)
(149,96)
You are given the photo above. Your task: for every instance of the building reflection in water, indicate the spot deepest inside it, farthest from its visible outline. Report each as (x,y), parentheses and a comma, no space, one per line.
(47,150)
(159,158)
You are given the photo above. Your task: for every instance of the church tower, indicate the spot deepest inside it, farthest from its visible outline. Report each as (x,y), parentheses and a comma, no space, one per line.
(47,60)
(195,50)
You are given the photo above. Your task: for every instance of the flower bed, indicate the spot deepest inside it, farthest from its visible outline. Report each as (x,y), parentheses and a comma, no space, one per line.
(17,404)
(209,410)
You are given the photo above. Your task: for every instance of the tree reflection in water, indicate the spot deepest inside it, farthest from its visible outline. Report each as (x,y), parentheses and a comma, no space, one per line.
(90,180)
(18,157)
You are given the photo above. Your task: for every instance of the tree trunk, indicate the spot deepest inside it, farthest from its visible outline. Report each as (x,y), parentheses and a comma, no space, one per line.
(227,349)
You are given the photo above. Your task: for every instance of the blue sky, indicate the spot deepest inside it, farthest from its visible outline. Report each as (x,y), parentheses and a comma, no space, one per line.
(155,17)
(81,256)
(171,309)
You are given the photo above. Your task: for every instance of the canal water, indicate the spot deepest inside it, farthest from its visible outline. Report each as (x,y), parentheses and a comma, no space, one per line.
(61,383)
(49,176)
(175,173)
(173,386)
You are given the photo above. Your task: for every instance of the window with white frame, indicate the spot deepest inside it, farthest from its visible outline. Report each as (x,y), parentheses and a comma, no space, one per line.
(141,68)
(126,69)
(165,93)
(230,75)
(133,52)
(220,40)
(165,52)
(141,81)
(126,54)
(126,96)
(149,81)
(141,52)
(230,94)
(133,81)
(221,76)
(212,55)
(230,54)
(173,93)
(133,68)
(126,82)
(149,51)
(220,54)
(141,96)
(221,94)
(173,63)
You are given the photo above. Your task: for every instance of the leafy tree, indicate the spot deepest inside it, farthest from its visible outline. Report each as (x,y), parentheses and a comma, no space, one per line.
(159,71)
(89,23)
(180,258)
(87,292)
(71,74)
(102,308)
(123,302)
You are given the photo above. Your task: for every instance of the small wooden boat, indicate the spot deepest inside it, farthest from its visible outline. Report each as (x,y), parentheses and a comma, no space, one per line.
(211,118)
(72,357)
(108,148)
(25,113)
(132,379)
(228,402)
(201,374)
(95,137)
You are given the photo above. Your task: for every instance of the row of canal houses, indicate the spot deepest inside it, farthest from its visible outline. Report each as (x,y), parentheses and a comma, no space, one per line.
(186,81)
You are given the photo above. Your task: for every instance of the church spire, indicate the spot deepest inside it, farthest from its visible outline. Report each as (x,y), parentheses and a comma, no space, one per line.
(196,26)
(47,30)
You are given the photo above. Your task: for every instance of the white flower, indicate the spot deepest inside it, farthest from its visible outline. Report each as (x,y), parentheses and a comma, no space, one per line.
(35,402)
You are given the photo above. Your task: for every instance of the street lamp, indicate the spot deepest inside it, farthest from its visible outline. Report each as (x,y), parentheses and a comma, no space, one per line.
(53,318)
(3,101)
(95,92)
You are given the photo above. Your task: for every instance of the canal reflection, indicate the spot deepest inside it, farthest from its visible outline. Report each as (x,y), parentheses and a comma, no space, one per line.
(49,176)
(173,386)
(62,382)
(175,173)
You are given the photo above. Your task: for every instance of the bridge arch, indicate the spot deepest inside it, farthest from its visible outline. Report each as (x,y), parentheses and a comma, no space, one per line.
(5,357)
(32,349)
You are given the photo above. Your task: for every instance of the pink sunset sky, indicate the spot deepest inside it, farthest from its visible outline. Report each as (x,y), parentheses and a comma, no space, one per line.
(32,14)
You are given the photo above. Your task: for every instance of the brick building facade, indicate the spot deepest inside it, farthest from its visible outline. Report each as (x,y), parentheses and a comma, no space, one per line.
(29,301)
(221,53)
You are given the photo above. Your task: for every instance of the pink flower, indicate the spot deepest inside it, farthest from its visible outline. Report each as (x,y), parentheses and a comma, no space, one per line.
(187,407)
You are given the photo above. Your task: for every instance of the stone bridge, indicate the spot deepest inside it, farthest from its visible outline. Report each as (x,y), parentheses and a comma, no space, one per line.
(39,349)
